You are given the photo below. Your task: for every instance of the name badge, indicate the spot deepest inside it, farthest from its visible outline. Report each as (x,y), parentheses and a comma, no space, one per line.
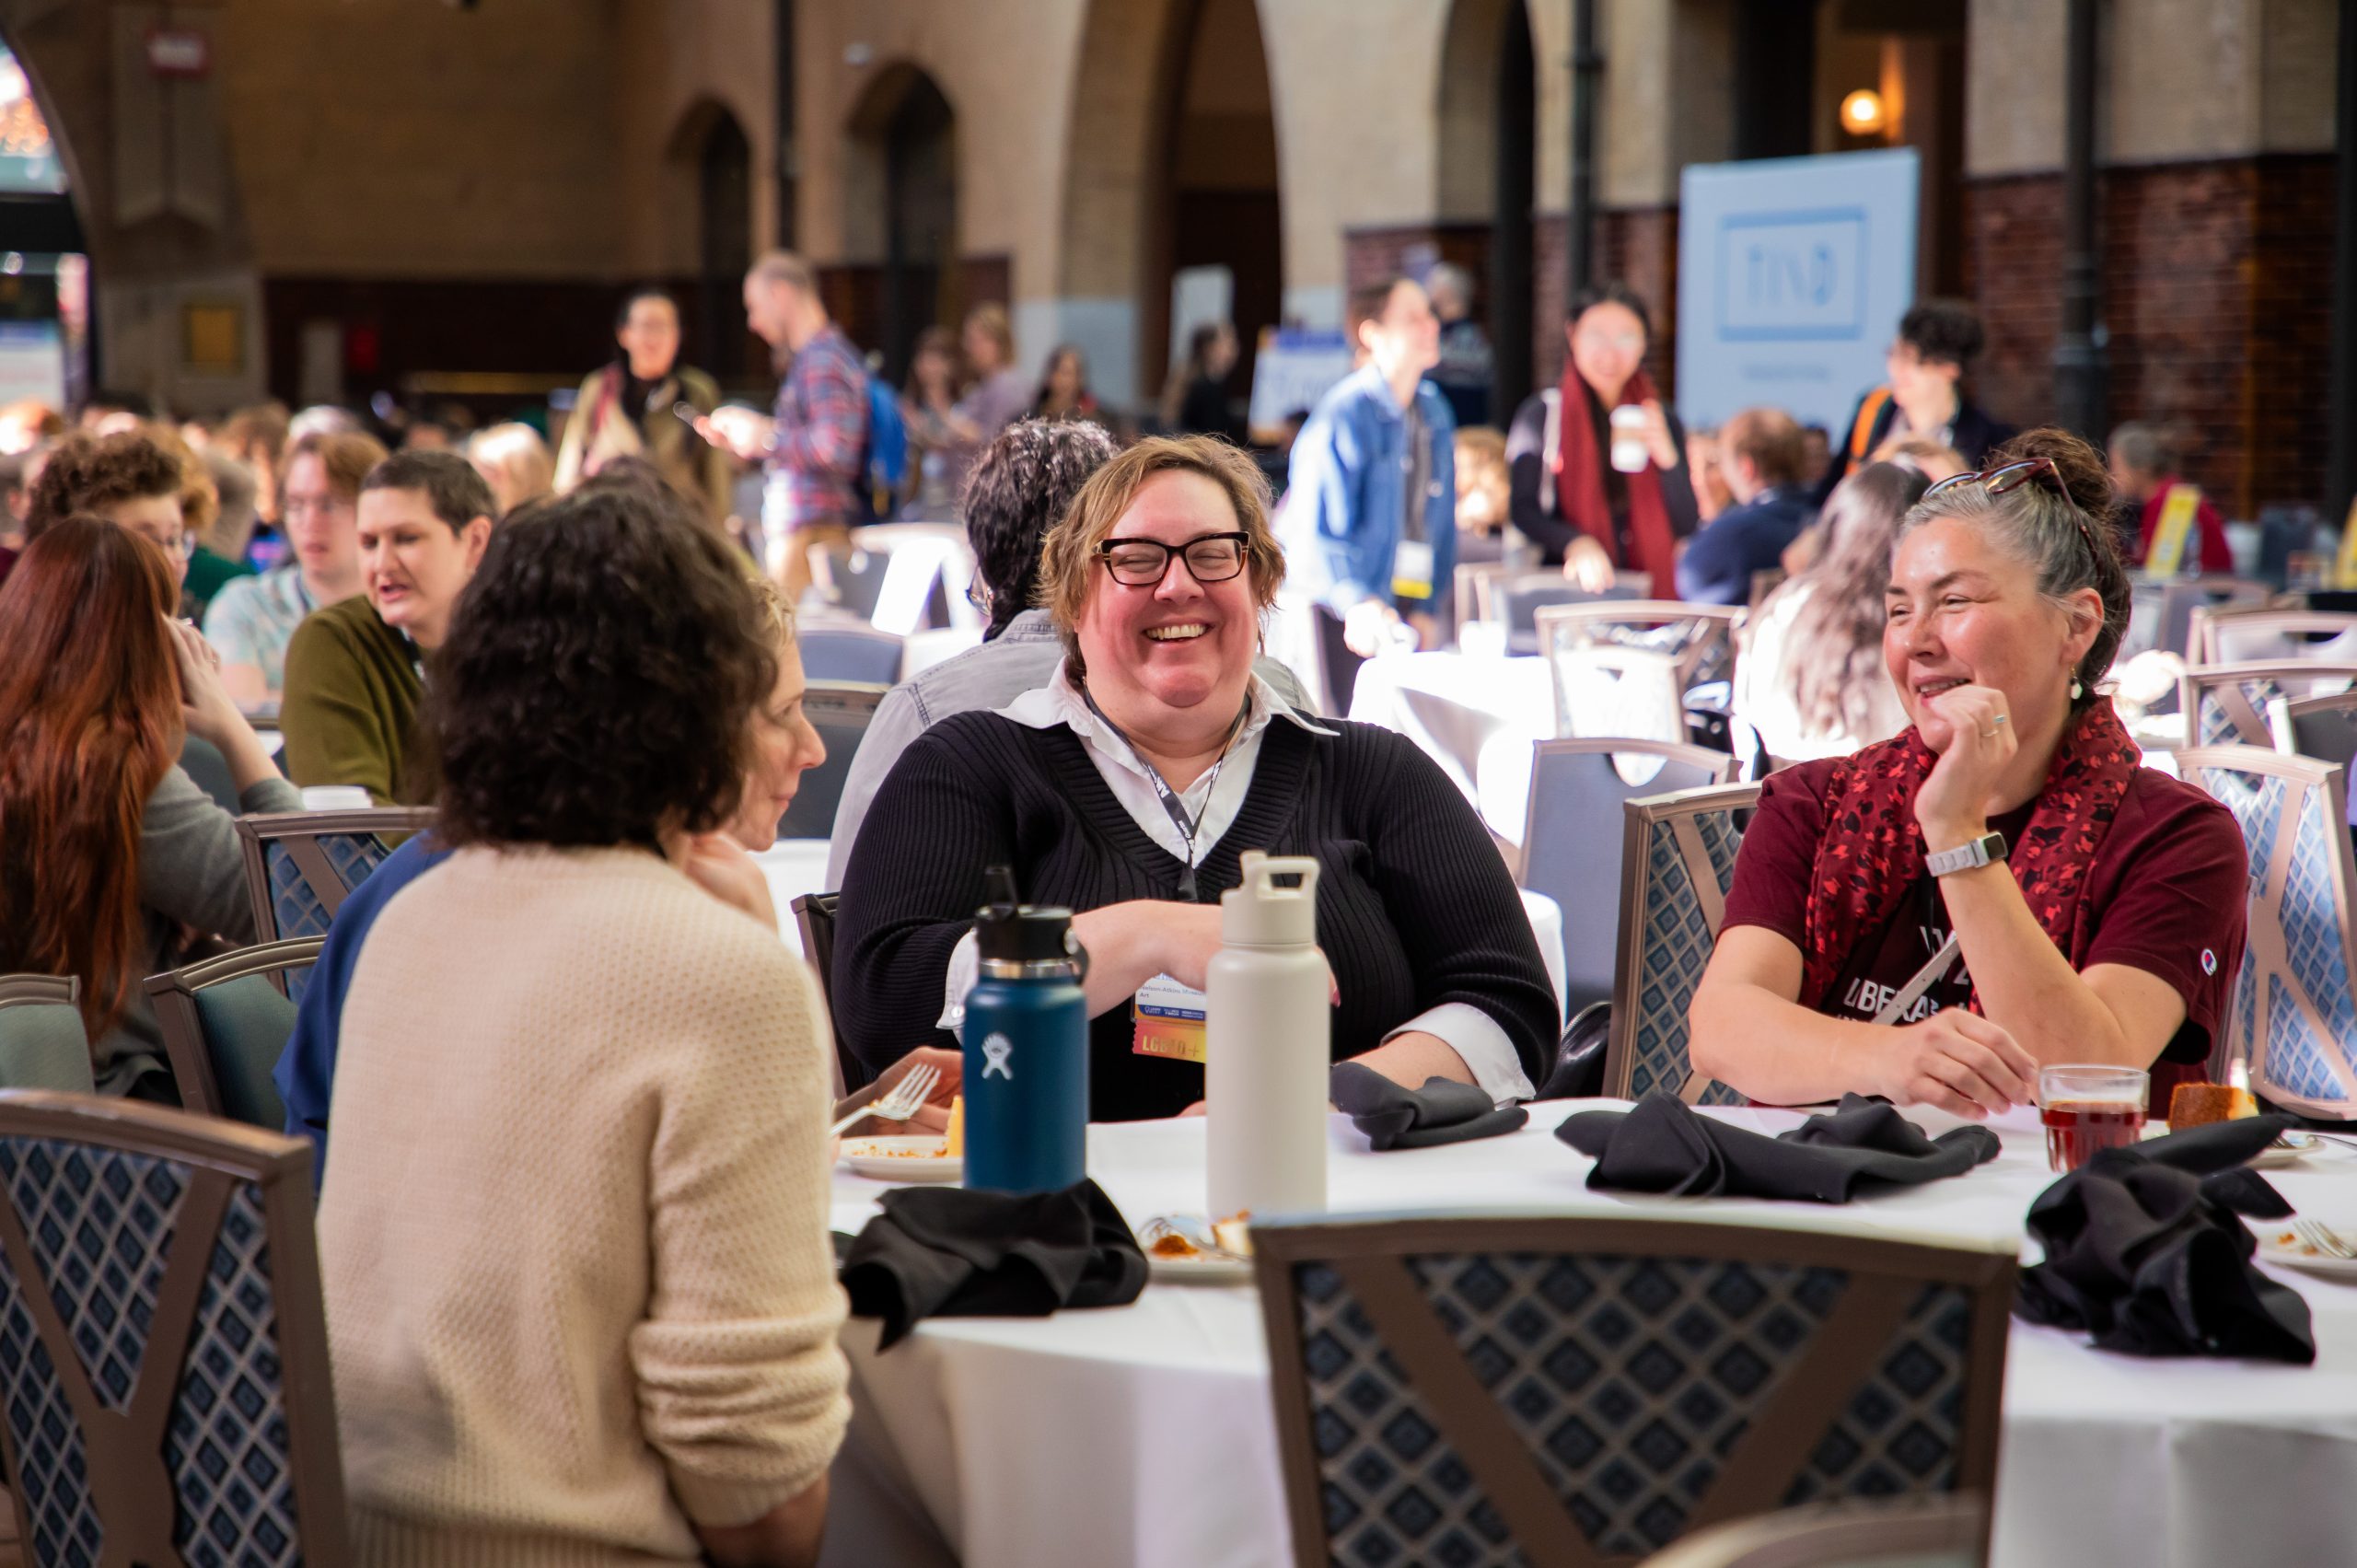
(1412,569)
(1169,1020)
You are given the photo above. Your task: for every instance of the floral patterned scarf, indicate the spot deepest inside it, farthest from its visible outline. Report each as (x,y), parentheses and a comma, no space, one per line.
(1872,854)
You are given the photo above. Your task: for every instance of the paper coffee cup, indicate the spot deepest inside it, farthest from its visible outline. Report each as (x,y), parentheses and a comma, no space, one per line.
(335,798)
(1629,454)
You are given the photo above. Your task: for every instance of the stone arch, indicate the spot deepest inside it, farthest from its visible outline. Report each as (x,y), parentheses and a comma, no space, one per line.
(708,195)
(1486,113)
(900,213)
(1168,167)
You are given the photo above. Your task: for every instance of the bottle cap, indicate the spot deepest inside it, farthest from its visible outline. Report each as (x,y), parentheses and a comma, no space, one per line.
(1011,933)
(1263,911)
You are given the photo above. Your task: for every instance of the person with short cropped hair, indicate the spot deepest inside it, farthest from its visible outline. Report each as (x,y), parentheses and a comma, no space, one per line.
(1928,363)
(582,1024)
(356,671)
(1370,518)
(629,408)
(253,618)
(1759,457)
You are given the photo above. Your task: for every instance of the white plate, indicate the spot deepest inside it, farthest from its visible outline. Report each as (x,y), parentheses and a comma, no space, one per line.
(2271,1251)
(875,1157)
(1202,1270)
(2289,1149)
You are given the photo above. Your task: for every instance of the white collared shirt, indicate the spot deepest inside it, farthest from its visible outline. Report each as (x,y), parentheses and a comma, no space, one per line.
(1213,801)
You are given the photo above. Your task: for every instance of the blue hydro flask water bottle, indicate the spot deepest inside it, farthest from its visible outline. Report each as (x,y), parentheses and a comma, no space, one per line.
(1027,1048)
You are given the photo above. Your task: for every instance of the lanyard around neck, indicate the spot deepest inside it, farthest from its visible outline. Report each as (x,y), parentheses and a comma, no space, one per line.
(1188,826)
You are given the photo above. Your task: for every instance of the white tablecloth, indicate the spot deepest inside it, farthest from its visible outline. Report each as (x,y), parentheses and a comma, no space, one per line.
(1454,706)
(1143,1435)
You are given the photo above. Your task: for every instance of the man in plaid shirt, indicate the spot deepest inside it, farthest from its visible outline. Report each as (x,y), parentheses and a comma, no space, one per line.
(816,446)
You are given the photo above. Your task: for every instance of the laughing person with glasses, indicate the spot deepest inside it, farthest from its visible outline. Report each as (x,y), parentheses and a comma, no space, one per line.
(2002,886)
(1128,786)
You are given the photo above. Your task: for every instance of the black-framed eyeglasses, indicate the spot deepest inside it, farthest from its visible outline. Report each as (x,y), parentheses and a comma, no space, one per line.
(2012,476)
(1144,563)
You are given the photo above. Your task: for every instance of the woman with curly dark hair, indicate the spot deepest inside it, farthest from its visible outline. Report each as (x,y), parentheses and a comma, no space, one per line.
(586,1011)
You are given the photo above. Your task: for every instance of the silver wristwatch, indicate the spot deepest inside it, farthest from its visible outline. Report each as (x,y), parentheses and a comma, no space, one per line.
(1967,856)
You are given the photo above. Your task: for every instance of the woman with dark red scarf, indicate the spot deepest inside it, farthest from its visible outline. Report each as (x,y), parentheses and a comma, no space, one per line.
(1567,496)
(2002,885)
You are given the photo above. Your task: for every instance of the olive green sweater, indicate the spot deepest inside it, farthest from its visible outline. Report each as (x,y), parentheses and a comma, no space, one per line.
(350,703)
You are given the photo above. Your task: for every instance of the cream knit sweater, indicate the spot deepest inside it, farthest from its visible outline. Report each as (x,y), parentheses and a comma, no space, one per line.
(574,1239)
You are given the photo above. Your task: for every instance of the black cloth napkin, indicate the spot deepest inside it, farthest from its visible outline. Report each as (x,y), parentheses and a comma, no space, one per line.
(1394,1116)
(2147,1251)
(1663,1145)
(943,1251)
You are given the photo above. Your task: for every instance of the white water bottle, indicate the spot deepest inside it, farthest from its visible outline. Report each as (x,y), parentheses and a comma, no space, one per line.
(1266,1045)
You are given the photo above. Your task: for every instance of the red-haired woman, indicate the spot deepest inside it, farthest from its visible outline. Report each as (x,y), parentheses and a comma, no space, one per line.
(108,850)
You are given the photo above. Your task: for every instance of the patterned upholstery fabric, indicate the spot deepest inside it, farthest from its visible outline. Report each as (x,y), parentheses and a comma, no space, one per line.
(296,905)
(2213,728)
(2296,1061)
(1630,1380)
(101,1225)
(1676,947)
(227,1445)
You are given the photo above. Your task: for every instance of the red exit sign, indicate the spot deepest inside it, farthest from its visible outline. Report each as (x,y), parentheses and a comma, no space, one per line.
(178,52)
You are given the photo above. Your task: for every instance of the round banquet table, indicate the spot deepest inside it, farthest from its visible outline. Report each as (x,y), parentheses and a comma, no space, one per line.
(1144,1435)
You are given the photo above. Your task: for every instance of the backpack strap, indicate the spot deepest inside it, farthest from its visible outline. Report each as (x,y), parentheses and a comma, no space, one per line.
(1862,434)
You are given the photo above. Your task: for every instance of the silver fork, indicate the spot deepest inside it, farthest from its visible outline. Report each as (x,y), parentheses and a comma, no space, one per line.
(901,1103)
(2323,1239)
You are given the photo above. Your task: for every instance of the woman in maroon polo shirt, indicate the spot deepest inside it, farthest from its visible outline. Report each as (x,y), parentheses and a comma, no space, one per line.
(2002,884)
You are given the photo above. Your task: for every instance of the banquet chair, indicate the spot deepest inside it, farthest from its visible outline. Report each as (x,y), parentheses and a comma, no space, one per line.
(2289,1016)
(848,581)
(832,651)
(2248,634)
(301,866)
(173,1404)
(43,1042)
(2226,705)
(1950,1531)
(1700,636)
(1584,1391)
(814,914)
(2161,612)
(1571,850)
(1677,864)
(840,712)
(2322,727)
(1515,599)
(225,1025)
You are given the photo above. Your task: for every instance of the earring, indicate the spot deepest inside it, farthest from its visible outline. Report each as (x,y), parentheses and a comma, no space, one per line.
(2076,690)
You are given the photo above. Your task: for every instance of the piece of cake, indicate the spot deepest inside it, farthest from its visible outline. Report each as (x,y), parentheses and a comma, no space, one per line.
(2198,1105)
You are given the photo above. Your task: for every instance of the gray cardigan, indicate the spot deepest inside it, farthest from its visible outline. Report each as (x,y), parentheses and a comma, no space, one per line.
(191,874)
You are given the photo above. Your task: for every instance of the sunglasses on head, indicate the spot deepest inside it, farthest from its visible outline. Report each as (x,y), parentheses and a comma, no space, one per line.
(2012,476)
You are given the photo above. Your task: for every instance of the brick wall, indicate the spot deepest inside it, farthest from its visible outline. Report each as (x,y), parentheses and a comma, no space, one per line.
(2217,292)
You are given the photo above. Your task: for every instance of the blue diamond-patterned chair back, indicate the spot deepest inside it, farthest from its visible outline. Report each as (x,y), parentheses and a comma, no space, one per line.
(2226,704)
(300,865)
(1586,1392)
(2290,1018)
(163,1351)
(1676,866)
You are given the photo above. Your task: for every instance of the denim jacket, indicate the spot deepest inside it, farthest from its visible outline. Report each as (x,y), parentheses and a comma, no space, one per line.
(1344,500)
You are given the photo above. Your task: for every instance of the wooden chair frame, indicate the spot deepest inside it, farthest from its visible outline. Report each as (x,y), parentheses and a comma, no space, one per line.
(298,833)
(2225,680)
(40,990)
(814,917)
(2284,712)
(1679,810)
(1853,1533)
(1370,1254)
(1712,630)
(2202,639)
(174,995)
(216,1157)
(2267,950)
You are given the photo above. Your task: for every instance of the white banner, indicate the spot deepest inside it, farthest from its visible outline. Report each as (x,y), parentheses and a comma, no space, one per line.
(1791,276)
